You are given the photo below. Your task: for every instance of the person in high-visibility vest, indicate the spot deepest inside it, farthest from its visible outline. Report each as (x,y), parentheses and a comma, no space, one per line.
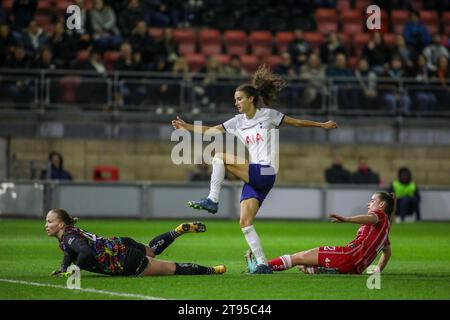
(407,193)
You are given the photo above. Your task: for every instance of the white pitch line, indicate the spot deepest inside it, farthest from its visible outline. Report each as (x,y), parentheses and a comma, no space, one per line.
(91,290)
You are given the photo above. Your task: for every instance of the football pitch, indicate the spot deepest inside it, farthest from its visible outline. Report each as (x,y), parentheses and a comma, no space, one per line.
(419,267)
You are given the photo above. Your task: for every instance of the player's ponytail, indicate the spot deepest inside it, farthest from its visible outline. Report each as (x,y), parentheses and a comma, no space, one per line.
(268,84)
(265,85)
(65,217)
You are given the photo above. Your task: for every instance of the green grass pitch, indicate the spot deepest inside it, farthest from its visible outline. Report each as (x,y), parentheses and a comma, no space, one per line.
(419,267)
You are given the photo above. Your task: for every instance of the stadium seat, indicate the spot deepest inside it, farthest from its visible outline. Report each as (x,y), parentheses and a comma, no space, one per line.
(272,61)
(44,6)
(431,20)
(223,59)
(446,22)
(7,4)
(352,21)
(186,40)
(352,62)
(261,43)
(389,39)
(69,86)
(398,20)
(282,40)
(195,61)
(362,5)
(327,20)
(82,55)
(343,5)
(109,58)
(314,38)
(235,42)
(210,42)
(417,4)
(43,20)
(155,33)
(250,62)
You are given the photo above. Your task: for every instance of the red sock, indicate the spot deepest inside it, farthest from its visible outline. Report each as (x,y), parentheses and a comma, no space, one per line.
(277,264)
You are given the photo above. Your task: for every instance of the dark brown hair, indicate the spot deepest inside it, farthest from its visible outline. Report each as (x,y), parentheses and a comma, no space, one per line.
(65,217)
(391,203)
(265,84)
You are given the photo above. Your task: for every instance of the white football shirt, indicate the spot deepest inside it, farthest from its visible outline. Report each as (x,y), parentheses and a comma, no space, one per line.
(257,133)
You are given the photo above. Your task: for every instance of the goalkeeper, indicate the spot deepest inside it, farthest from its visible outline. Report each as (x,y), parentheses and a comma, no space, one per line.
(119,256)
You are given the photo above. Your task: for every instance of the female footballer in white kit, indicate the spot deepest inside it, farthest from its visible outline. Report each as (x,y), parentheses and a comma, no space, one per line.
(254,127)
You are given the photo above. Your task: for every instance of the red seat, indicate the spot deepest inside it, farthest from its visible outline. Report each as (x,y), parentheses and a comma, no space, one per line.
(7,4)
(210,42)
(431,20)
(44,6)
(186,40)
(351,28)
(261,42)
(326,15)
(195,61)
(109,58)
(235,42)
(398,20)
(185,48)
(272,61)
(155,33)
(250,62)
(362,5)
(69,85)
(82,55)
(352,62)
(389,39)
(283,39)
(417,4)
(43,20)
(327,27)
(314,38)
(223,59)
(343,5)
(446,22)
(352,21)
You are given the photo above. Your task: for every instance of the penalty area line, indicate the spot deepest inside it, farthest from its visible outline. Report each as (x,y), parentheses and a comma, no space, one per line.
(90,290)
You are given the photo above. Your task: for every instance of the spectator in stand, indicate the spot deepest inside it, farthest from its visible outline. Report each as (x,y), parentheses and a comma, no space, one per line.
(22,13)
(55,169)
(407,194)
(103,21)
(377,53)
(83,35)
(415,32)
(394,96)
(337,173)
(63,45)
(6,43)
(167,47)
(426,100)
(365,175)
(208,89)
(144,44)
(314,73)
(234,67)
(130,17)
(442,74)
(299,49)
(44,60)
(286,67)
(433,51)
(330,48)
(406,52)
(344,80)
(34,38)
(367,81)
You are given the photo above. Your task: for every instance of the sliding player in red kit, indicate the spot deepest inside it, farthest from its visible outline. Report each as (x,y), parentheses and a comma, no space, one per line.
(355,257)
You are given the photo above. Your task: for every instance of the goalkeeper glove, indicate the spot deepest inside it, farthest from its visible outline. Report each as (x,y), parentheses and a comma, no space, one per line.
(60,274)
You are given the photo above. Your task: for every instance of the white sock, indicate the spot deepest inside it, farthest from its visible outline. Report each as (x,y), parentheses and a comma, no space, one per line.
(255,244)
(287,261)
(217,177)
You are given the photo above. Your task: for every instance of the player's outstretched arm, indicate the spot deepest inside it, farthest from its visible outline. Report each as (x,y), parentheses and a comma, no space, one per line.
(361,219)
(384,259)
(179,123)
(307,123)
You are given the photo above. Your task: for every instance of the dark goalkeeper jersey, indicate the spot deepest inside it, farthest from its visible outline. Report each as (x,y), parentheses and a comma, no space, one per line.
(92,253)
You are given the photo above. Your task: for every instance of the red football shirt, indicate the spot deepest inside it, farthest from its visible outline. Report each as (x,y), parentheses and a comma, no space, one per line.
(370,239)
